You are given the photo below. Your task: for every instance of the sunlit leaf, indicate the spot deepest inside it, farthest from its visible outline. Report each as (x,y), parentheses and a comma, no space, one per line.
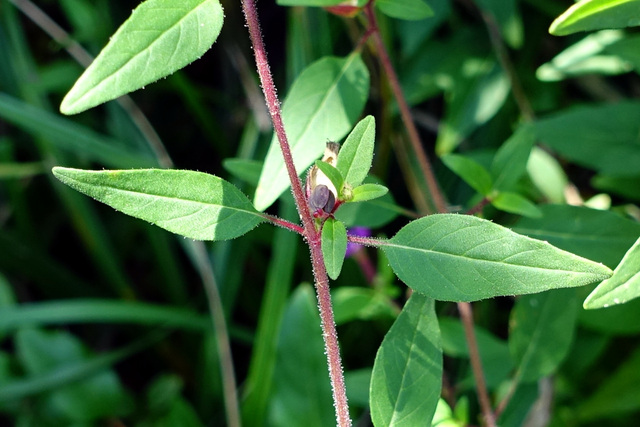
(193,204)
(465,258)
(366,192)
(407,372)
(515,203)
(623,286)
(160,37)
(587,15)
(472,172)
(356,154)
(323,104)
(334,246)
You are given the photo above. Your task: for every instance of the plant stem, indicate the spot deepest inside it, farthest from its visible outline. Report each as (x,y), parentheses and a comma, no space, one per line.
(466,315)
(284,224)
(310,233)
(435,193)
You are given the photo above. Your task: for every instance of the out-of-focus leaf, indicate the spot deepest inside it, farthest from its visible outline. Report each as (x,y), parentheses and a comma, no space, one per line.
(356,154)
(193,204)
(20,170)
(351,303)
(623,286)
(334,246)
(160,37)
(323,104)
(407,372)
(308,2)
(547,175)
(541,330)
(627,186)
(465,258)
(515,203)
(472,172)
(598,235)
(507,17)
(588,15)
(510,162)
(412,34)
(357,384)
(244,169)
(413,10)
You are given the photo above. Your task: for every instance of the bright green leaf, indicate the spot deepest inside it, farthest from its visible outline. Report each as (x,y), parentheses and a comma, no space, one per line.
(407,372)
(588,15)
(194,204)
(366,192)
(472,172)
(515,203)
(356,154)
(160,37)
(334,246)
(623,286)
(464,258)
(510,162)
(541,332)
(323,104)
(547,175)
(332,173)
(371,213)
(412,10)
(602,137)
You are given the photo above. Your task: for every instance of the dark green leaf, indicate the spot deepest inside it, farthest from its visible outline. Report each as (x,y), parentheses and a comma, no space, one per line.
(515,203)
(351,303)
(602,137)
(627,186)
(623,286)
(159,38)
(323,104)
(193,204)
(244,169)
(366,192)
(334,246)
(356,154)
(472,172)
(588,15)
(541,332)
(506,17)
(510,162)
(407,372)
(465,258)
(412,10)
(308,2)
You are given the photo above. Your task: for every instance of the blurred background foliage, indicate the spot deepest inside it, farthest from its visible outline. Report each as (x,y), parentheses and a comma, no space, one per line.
(104,319)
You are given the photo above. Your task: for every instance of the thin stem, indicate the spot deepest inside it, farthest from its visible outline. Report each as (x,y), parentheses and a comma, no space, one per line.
(310,233)
(478,206)
(466,315)
(284,224)
(414,138)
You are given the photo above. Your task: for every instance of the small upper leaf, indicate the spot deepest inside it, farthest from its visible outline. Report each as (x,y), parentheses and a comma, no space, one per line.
(472,172)
(356,154)
(588,15)
(366,192)
(412,10)
(334,246)
(623,286)
(332,173)
(193,204)
(464,258)
(160,37)
(515,203)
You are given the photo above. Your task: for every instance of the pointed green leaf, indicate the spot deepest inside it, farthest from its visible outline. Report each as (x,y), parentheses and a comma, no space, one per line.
(510,162)
(515,203)
(588,15)
(366,192)
(323,104)
(507,17)
(465,258)
(332,173)
(547,175)
(623,286)
(472,172)
(160,37)
(412,10)
(194,204)
(356,154)
(407,372)
(334,246)
(541,331)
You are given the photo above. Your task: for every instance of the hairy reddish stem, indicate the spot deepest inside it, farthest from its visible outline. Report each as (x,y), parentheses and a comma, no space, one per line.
(309,230)
(284,224)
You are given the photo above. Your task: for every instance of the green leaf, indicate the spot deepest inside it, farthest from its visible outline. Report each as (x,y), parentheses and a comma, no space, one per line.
(623,286)
(351,303)
(465,258)
(332,173)
(602,137)
(334,246)
(510,162)
(160,37)
(472,172)
(598,235)
(356,154)
(588,15)
(371,213)
(627,186)
(515,203)
(13,170)
(71,136)
(407,372)
(244,169)
(366,192)
(323,104)
(308,2)
(541,332)
(412,10)
(507,17)
(193,204)
(547,175)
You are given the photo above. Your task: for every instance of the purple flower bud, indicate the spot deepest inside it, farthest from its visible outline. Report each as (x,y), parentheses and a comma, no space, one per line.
(322,199)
